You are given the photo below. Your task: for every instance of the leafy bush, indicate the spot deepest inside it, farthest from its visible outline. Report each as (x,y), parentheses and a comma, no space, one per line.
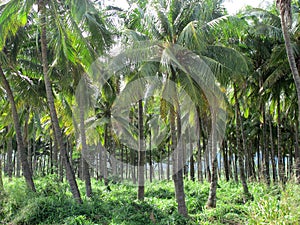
(53,204)
(276,207)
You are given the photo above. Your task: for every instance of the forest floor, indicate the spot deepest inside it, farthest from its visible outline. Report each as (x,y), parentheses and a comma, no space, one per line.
(53,204)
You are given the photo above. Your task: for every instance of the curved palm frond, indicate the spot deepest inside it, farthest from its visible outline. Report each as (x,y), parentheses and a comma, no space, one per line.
(13,16)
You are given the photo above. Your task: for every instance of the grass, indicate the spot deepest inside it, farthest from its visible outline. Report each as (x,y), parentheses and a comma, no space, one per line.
(53,204)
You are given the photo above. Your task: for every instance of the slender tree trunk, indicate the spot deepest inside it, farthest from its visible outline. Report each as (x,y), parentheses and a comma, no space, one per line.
(29,150)
(85,165)
(225,159)
(150,159)
(108,148)
(265,148)
(250,163)
(141,154)
(272,151)
(284,7)
(161,167)
(230,159)
(192,162)
(212,196)
(169,162)
(279,153)
(177,159)
(290,168)
(1,180)
(297,152)
(207,162)
(22,152)
(240,147)
(55,156)
(127,163)
(133,175)
(235,169)
(199,163)
(9,158)
(122,163)
(199,153)
(57,130)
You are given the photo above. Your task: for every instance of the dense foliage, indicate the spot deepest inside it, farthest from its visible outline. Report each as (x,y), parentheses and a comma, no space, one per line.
(52,204)
(100,107)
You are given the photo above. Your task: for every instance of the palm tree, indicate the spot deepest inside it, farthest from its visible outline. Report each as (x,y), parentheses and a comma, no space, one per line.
(57,130)
(5,33)
(240,143)
(67,46)
(141,153)
(284,7)
(184,23)
(82,99)
(25,166)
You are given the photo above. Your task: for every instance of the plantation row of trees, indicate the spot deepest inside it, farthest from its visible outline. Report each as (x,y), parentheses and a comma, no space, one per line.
(194,93)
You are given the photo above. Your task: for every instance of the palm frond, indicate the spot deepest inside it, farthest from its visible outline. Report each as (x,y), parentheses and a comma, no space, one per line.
(13,16)
(191,37)
(231,60)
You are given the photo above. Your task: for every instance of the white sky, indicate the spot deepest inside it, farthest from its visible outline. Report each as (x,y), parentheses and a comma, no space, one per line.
(232,5)
(235,5)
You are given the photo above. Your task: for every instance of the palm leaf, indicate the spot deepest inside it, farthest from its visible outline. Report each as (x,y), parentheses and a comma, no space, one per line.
(13,16)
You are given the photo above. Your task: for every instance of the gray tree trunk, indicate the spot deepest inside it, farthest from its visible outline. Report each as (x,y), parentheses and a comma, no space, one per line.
(1,180)
(272,151)
(85,165)
(177,160)
(239,133)
(53,114)
(212,196)
(297,151)
(21,148)
(284,7)
(141,153)
(9,162)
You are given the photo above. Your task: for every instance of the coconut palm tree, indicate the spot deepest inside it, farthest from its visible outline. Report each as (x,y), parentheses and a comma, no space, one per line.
(25,166)
(68,46)
(7,61)
(284,7)
(187,24)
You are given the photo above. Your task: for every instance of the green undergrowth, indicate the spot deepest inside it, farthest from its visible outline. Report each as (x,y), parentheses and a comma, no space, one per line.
(53,204)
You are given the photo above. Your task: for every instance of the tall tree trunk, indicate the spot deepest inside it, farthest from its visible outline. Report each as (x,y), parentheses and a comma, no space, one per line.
(297,152)
(230,161)
(1,180)
(9,157)
(122,163)
(177,161)
(290,168)
(212,196)
(53,114)
(169,162)
(265,148)
(150,159)
(85,165)
(192,162)
(279,151)
(284,7)
(272,151)
(225,160)
(235,168)
(21,148)
(199,152)
(240,147)
(207,161)
(108,148)
(141,153)
(55,155)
